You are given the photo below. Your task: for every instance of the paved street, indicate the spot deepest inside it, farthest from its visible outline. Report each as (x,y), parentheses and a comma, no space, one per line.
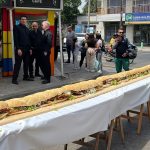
(132,141)
(8,90)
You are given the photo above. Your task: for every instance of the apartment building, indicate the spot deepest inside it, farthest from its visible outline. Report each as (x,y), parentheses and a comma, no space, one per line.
(135,16)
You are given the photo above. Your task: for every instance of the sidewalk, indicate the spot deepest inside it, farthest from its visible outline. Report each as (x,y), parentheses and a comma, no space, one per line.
(8,90)
(144,49)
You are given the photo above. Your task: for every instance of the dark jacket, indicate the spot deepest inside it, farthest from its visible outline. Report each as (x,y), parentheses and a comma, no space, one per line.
(35,39)
(21,37)
(121,48)
(46,42)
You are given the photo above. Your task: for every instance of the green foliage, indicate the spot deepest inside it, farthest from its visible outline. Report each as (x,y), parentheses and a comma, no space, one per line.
(92,8)
(70,11)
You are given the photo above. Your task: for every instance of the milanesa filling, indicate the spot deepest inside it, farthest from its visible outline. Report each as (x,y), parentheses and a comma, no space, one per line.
(25,108)
(5,110)
(71,95)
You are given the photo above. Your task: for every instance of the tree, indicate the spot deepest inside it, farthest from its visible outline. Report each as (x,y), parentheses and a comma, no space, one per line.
(92,8)
(70,11)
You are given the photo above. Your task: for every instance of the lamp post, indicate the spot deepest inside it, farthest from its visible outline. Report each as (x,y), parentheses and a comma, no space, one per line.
(89,5)
(121,13)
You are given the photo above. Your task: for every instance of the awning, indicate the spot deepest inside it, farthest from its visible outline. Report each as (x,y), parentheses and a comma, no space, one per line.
(142,22)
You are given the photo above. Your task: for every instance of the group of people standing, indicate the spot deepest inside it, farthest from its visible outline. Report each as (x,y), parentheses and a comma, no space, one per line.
(36,44)
(90,49)
(30,45)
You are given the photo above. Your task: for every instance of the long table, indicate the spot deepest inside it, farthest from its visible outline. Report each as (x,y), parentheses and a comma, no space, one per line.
(73,122)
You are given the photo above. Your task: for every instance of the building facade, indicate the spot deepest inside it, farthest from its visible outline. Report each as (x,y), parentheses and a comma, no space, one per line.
(134,15)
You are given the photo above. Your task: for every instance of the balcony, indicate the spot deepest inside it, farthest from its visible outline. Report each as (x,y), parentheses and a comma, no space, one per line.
(110,10)
(117,9)
(142,8)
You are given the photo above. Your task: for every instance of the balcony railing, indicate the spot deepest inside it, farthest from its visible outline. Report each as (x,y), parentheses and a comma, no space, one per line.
(142,8)
(110,10)
(117,10)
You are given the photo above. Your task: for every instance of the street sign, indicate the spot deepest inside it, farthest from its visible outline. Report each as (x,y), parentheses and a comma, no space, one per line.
(137,17)
(5,3)
(39,4)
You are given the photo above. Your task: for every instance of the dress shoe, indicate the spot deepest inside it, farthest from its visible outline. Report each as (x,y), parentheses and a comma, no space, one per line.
(42,78)
(28,79)
(15,82)
(45,81)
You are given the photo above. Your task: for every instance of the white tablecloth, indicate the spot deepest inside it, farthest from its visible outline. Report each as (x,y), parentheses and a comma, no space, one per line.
(72,122)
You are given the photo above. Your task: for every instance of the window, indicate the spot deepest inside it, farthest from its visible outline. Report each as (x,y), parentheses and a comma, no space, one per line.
(99,3)
(141,6)
(111,3)
(141,2)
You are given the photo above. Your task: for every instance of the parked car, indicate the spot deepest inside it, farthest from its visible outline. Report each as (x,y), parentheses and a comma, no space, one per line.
(64,44)
(80,37)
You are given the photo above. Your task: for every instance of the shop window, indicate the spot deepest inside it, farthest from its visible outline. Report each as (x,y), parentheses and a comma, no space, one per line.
(142,33)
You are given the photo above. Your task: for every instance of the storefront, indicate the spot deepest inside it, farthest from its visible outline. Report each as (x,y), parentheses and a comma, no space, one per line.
(35,11)
(140,23)
(142,33)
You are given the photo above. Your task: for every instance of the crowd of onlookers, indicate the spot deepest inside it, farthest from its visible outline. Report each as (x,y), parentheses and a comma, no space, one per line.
(92,48)
(35,45)
(89,48)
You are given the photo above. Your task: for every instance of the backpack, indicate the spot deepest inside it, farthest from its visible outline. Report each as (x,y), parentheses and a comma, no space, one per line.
(132,51)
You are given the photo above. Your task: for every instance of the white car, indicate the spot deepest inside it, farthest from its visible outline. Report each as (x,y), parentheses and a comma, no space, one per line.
(80,37)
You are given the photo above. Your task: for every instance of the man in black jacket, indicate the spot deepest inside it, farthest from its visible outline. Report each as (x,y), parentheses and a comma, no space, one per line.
(35,39)
(22,50)
(46,44)
(121,46)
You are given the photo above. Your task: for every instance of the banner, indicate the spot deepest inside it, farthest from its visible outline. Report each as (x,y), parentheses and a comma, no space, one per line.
(137,17)
(47,4)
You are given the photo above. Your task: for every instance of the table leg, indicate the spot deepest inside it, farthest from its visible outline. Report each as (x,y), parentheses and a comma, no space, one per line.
(110,134)
(140,119)
(121,129)
(148,109)
(65,146)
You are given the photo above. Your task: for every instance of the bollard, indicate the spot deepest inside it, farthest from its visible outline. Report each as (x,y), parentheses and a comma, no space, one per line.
(142,44)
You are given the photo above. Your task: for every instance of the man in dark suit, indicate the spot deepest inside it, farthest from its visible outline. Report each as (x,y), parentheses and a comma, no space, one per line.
(35,39)
(46,44)
(22,50)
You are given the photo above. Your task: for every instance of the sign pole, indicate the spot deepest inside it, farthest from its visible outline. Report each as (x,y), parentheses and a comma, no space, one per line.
(89,5)
(61,51)
(12,37)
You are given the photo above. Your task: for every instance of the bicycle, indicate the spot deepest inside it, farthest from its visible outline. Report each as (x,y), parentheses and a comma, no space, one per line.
(131,61)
